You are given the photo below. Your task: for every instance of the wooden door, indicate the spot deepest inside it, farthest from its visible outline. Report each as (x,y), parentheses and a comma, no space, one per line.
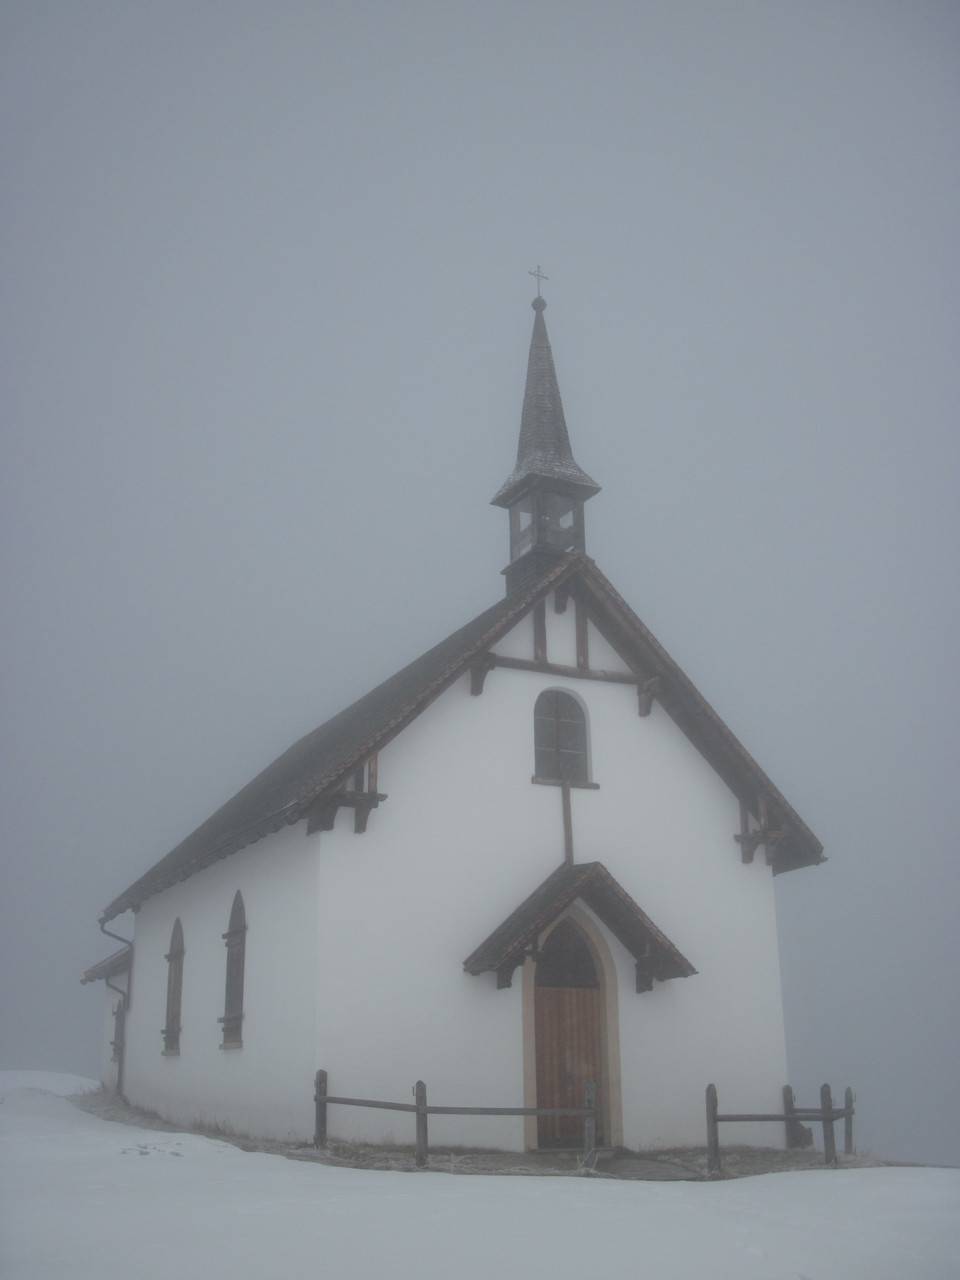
(567,1028)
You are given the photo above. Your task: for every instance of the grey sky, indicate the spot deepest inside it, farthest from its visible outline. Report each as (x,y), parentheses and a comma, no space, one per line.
(264,334)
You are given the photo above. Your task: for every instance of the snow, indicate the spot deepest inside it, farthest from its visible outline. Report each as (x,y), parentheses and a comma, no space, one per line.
(83,1197)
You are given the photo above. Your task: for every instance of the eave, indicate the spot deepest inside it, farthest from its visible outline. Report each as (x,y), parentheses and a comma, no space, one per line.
(119,962)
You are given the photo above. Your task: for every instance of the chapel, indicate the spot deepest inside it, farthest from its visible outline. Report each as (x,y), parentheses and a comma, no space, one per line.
(534,866)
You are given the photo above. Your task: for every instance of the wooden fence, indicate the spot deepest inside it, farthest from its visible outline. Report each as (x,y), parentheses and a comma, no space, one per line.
(792,1116)
(323,1099)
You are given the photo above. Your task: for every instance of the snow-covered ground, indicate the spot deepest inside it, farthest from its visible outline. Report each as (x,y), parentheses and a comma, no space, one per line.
(84,1198)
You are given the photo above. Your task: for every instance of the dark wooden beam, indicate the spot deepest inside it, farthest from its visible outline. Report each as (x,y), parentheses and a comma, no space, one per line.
(479,671)
(762,834)
(567,825)
(647,690)
(644,978)
(583,654)
(747,839)
(324,815)
(540,632)
(568,673)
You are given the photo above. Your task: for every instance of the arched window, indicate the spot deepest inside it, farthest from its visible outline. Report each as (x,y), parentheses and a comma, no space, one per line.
(174,958)
(119,1026)
(560,738)
(235,938)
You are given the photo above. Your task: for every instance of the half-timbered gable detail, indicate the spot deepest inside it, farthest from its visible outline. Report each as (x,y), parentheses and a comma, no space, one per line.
(546,779)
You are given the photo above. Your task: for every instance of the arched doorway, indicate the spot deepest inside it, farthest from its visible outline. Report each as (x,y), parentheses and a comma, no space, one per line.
(568,1025)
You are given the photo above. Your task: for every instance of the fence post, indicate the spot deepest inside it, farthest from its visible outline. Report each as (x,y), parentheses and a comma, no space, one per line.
(789,1114)
(420,1095)
(848,1122)
(713,1133)
(590,1121)
(320,1114)
(826,1113)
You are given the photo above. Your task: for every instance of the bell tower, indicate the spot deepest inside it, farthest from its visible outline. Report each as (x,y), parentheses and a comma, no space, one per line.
(546,490)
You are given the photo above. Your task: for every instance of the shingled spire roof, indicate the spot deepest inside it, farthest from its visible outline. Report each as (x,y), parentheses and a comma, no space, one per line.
(544,451)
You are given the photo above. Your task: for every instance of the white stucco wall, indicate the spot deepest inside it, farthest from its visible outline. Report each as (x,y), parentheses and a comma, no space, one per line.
(264,1087)
(465,836)
(355,943)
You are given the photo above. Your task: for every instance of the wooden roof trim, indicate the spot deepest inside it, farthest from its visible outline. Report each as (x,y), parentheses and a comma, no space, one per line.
(118,962)
(688,708)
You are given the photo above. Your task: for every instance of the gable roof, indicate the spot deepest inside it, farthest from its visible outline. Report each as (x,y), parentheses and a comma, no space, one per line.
(504,949)
(317,766)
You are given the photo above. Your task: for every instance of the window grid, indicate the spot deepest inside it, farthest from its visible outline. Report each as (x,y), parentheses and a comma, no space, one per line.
(560,738)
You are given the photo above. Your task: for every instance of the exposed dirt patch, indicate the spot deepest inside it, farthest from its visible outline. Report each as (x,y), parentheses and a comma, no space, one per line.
(687,1164)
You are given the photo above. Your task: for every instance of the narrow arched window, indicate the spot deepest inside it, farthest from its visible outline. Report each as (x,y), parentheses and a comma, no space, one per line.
(235,938)
(174,958)
(560,738)
(119,1026)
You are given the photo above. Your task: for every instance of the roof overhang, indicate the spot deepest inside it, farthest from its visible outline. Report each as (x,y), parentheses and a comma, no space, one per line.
(119,962)
(653,952)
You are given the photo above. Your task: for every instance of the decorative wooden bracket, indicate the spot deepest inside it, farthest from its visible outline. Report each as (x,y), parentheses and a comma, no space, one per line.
(773,839)
(323,816)
(506,971)
(479,670)
(648,966)
(644,978)
(762,834)
(647,690)
(560,598)
(582,631)
(360,795)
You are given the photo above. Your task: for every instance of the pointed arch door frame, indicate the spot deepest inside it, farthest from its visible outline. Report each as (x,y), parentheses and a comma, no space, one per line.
(608,1086)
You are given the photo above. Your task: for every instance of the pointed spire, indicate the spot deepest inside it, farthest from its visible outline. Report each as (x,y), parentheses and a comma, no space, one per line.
(546,490)
(544,452)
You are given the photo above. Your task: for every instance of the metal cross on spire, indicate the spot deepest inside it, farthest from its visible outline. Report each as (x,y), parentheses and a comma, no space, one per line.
(539,277)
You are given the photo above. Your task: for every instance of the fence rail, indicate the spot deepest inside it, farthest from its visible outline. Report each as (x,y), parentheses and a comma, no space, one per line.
(797,1134)
(323,1099)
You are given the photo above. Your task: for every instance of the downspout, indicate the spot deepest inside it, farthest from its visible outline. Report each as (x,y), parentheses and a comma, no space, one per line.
(124,1002)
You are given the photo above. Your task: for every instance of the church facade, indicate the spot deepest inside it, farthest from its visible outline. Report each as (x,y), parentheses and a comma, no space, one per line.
(535,857)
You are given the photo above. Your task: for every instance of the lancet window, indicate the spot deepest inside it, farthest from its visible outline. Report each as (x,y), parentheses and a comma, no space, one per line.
(174,958)
(235,938)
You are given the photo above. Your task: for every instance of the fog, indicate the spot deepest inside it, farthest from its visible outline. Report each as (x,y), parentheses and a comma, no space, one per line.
(265,325)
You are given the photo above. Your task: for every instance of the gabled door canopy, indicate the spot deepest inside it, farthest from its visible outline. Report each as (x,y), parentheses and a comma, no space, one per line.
(505,948)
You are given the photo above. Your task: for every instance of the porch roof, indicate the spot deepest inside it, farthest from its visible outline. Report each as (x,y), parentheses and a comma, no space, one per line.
(591,882)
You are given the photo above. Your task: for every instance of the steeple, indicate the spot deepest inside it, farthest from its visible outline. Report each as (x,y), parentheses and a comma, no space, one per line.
(546,490)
